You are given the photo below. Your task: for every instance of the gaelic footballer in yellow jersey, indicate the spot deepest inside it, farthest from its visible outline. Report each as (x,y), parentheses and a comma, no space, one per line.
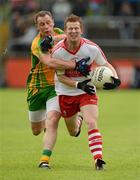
(41,75)
(40,81)
(43,105)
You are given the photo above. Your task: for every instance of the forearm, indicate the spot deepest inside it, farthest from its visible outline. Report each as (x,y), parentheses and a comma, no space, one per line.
(56,63)
(66,80)
(113,69)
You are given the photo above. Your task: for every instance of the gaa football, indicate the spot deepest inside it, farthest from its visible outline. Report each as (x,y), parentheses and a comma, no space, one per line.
(100,75)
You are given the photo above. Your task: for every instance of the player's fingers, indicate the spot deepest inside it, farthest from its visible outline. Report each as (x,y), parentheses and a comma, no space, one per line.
(91,88)
(88,80)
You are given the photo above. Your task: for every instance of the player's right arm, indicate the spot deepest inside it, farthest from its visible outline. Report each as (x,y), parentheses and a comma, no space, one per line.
(83,85)
(56,63)
(46,46)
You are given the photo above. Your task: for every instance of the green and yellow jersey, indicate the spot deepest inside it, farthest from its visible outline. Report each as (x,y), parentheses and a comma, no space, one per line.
(41,76)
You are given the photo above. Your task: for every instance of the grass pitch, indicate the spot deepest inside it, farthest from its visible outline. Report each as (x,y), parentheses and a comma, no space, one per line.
(119,124)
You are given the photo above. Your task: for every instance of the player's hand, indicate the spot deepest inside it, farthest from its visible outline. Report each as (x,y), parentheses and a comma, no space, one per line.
(116,83)
(86,87)
(46,44)
(82,66)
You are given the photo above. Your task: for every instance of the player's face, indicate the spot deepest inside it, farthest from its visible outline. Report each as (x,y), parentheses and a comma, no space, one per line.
(73,31)
(45,25)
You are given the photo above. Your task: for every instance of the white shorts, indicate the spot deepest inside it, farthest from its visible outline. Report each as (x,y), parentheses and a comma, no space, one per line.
(40,115)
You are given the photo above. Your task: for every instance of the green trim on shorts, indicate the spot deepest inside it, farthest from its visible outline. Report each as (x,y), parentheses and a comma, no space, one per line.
(39,99)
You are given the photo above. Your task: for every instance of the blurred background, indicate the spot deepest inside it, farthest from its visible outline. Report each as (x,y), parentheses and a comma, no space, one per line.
(113,24)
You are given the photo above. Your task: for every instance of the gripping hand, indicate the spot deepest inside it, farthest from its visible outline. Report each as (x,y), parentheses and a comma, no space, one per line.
(46,44)
(82,66)
(85,87)
(116,83)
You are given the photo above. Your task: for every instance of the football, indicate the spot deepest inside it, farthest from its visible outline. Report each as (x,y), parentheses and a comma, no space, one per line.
(100,75)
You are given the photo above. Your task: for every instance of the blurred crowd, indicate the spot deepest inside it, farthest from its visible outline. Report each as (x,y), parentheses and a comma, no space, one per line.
(17,26)
(21,13)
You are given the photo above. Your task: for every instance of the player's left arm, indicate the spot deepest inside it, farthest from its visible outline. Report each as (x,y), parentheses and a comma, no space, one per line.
(116,82)
(107,64)
(102,61)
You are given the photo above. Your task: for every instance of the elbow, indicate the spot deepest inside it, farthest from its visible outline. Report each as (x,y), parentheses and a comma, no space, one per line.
(46,59)
(50,63)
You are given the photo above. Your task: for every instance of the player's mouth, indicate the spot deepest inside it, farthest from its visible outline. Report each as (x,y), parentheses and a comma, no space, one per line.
(73,36)
(47,32)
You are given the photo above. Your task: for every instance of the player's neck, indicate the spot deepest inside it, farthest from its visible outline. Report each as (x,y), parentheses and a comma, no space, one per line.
(72,45)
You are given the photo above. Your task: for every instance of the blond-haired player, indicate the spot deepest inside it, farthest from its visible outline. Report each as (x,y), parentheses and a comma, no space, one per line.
(44,112)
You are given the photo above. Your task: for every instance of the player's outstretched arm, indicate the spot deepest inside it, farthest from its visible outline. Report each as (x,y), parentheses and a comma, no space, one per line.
(55,63)
(45,57)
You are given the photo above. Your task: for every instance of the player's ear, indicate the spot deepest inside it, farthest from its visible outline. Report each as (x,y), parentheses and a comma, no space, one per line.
(82,30)
(53,22)
(37,27)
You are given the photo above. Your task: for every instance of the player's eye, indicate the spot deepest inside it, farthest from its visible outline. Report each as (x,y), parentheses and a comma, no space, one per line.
(42,24)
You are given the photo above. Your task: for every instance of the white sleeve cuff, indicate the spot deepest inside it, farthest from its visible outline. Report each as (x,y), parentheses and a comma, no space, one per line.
(76,84)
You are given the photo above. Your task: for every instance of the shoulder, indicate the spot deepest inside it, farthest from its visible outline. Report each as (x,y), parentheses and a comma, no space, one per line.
(91,43)
(58,46)
(35,45)
(58,35)
(35,42)
(58,30)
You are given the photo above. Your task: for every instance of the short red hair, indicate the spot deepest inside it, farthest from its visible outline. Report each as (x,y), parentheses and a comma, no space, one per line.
(73,18)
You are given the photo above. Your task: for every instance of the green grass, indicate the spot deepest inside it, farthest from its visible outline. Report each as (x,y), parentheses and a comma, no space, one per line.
(119,123)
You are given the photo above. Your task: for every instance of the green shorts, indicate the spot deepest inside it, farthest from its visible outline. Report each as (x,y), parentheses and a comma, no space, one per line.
(37,101)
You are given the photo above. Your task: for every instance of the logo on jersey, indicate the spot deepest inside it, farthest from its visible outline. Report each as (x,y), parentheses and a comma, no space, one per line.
(73,73)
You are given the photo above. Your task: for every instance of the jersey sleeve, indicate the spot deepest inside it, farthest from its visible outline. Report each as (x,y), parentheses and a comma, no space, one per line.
(35,49)
(97,54)
(100,58)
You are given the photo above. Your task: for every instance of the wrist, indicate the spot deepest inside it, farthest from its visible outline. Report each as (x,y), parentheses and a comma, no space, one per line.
(41,53)
(73,63)
(76,84)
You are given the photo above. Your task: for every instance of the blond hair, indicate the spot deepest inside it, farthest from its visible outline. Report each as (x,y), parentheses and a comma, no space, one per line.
(42,14)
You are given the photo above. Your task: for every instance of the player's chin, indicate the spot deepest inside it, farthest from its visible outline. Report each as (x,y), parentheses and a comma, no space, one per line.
(74,39)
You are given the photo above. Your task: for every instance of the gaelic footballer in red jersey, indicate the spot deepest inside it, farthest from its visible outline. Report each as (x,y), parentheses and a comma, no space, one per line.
(74,90)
